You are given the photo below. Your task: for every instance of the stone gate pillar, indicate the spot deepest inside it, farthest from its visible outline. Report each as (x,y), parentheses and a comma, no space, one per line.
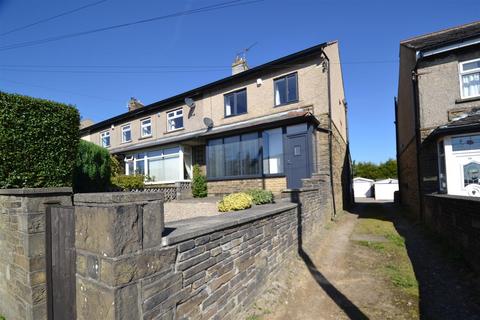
(118,243)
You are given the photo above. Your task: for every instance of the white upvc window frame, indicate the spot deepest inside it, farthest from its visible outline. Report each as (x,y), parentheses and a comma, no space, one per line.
(103,135)
(124,128)
(143,125)
(462,73)
(185,163)
(174,114)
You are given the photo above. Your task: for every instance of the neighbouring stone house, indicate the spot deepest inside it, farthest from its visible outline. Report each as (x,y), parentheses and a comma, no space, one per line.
(266,127)
(437,115)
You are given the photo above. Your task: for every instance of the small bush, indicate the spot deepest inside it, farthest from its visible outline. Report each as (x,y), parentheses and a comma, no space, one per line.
(92,168)
(260,196)
(235,201)
(199,183)
(38,142)
(124,182)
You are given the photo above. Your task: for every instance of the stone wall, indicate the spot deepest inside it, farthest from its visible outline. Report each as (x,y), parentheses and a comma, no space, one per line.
(22,250)
(276,185)
(202,268)
(456,219)
(341,163)
(409,191)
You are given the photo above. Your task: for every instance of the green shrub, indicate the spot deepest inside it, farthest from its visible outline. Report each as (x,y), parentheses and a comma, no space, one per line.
(260,196)
(199,183)
(92,168)
(235,201)
(124,182)
(38,142)
(116,168)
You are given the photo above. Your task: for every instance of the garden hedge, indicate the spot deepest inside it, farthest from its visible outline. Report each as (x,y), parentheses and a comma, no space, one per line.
(38,142)
(93,168)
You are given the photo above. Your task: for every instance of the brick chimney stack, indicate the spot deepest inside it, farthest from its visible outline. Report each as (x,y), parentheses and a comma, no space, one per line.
(134,104)
(239,65)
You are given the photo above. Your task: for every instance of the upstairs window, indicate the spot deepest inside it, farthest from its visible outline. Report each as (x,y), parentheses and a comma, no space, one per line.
(286,89)
(126,133)
(105,139)
(236,103)
(175,120)
(146,128)
(470,78)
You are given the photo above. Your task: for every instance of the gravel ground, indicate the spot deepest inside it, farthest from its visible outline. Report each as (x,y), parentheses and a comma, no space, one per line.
(191,208)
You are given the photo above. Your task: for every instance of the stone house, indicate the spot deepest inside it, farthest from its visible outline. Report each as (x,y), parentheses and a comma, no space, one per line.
(437,115)
(264,127)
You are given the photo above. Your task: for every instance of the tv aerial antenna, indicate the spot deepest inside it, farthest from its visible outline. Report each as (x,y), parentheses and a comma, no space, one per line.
(243,53)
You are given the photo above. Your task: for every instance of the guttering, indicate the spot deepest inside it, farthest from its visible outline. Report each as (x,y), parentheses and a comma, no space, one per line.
(397,144)
(427,53)
(330,134)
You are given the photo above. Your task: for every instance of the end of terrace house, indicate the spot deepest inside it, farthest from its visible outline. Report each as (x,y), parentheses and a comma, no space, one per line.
(264,127)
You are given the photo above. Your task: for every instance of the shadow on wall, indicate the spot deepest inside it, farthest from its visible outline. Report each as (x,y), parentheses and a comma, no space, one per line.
(447,287)
(350,309)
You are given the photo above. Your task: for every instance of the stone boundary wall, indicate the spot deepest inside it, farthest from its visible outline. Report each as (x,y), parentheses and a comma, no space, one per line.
(23,293)
(457,220)
(202,268)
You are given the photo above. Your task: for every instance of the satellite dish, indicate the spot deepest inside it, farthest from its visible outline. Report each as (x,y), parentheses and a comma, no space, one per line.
(190,102)
(208,122)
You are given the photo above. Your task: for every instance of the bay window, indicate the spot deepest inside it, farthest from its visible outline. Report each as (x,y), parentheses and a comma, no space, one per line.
(244,155)
(470,78)
(160,165)
(234,156)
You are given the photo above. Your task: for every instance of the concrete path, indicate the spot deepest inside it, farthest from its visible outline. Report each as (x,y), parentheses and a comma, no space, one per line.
(353,274)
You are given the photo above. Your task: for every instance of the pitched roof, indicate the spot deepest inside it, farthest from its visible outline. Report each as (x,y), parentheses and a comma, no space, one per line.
(166,103)
(443,37)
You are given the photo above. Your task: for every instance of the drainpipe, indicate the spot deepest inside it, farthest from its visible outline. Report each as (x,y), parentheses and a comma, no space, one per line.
(330,134)
(417,133)
(395,101)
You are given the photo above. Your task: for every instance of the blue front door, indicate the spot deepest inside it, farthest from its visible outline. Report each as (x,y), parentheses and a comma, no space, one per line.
(296,160)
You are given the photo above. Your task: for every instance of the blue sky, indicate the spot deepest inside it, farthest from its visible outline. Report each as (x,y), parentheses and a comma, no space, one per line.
(202,46)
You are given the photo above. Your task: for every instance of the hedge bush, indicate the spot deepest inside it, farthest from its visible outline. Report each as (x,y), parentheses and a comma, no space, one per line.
(260,196)
(38,142)
(235,201)
(199,183)
(92,168)
(123,182)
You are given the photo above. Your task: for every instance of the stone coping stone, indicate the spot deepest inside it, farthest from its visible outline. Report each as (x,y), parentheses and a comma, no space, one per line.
(453,197)
(183,230)
(300,189)
(116,197)
(36,191)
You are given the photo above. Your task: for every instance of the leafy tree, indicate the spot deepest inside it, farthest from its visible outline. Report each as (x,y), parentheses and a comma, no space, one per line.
(370,170)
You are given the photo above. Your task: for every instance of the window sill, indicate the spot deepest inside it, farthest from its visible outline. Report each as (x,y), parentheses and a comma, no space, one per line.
(234,115)
(125,142)
(176,130)
(286,103)
(465,100)
(146,137)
